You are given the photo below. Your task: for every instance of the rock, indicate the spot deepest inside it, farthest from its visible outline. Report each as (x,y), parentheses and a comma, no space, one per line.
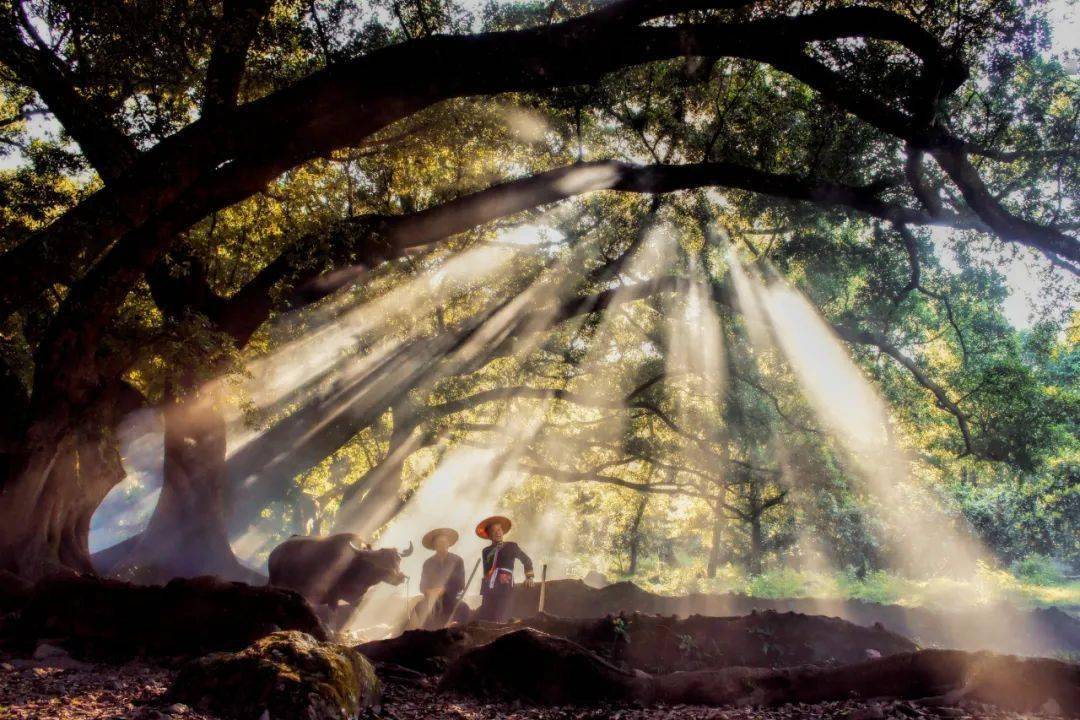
(178,709)
(45,651)
(906,708)
(1050,707)
(871,712)
(114,619)
(146,713)
(286,675)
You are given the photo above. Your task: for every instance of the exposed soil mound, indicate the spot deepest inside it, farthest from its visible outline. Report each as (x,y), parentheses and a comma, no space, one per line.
(108,618)
(427,651)
(1001,628)
(664,644)
(546,670)
(287,675)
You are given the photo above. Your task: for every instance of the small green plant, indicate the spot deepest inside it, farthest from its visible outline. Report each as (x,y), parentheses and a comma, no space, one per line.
(622,631)
(1038,570)
(783,583)
(878,586)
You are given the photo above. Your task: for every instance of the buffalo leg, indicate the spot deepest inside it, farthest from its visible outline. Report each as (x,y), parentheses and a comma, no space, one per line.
(342,616)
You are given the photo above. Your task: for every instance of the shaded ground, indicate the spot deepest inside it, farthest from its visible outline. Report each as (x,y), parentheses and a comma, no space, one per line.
(411,702)
(1000,628)
(31,690)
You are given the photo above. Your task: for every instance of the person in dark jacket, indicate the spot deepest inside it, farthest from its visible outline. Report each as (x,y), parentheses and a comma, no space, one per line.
(496,589)
(442,580)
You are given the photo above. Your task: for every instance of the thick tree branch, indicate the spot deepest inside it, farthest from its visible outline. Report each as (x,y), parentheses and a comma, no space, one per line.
(571,476)
(228,57)
(1059,247)
(866,337)
(321,263)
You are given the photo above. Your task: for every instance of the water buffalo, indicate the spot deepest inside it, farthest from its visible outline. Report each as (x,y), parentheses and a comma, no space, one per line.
(339,567)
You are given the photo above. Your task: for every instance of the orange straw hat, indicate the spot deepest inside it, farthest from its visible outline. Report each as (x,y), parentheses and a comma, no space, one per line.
(428,540)
(482,528)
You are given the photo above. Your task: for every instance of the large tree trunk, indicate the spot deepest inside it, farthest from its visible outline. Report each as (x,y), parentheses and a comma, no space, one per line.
(715,545)
(48,500)
(635,534)
(186,535)
(757,546)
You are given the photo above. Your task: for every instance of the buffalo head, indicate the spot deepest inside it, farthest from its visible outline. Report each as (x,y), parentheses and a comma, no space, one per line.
(380,565)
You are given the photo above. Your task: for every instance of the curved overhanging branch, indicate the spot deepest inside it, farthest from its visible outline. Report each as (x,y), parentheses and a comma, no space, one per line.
(321,263)
(235,33)
(572,476)
(347,103)
(1058,247)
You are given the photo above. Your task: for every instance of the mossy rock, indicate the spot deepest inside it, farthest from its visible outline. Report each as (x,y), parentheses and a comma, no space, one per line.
(288,674)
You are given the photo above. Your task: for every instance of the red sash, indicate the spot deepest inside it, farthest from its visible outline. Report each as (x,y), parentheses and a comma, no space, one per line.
(496,574)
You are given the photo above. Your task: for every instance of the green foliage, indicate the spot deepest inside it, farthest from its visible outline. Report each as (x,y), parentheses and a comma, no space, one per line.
(781,583)
(988,586)
(1038,570)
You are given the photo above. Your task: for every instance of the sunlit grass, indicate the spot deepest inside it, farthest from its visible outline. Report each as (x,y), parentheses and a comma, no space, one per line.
(989,586)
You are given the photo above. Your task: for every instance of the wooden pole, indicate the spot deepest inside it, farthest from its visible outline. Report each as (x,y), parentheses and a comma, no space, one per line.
(467,584)
(543,587)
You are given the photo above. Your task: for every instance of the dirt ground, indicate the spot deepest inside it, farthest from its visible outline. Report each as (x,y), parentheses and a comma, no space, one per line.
(31,690)
(67,690)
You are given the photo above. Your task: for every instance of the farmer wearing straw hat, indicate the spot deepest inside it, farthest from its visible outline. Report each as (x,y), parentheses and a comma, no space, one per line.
(499,556)
(442,578)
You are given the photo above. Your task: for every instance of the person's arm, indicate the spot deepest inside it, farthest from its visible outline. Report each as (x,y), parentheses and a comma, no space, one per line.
(426,580)
(526,562)
(457,579)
